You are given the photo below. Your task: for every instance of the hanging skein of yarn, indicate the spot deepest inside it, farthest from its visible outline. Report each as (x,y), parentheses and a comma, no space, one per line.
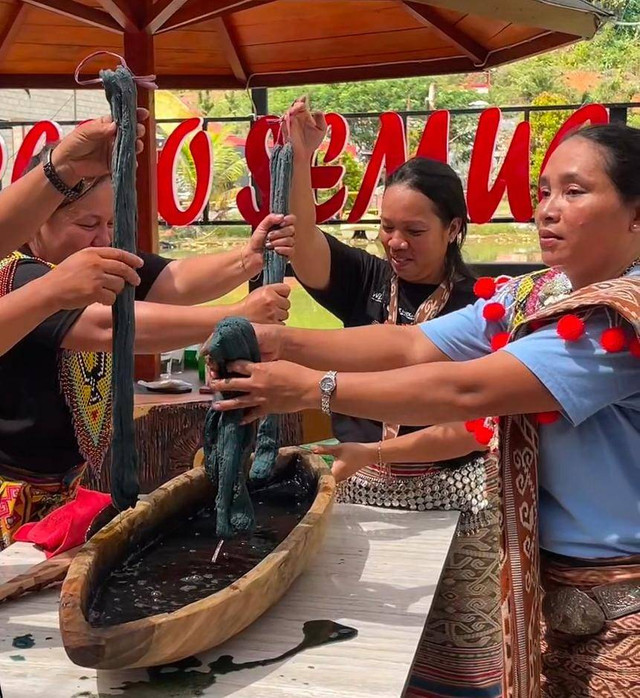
(121,93)
(274,268)
(227,443)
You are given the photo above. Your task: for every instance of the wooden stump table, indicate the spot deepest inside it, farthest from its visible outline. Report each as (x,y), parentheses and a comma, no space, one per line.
(169,431)
(377,573)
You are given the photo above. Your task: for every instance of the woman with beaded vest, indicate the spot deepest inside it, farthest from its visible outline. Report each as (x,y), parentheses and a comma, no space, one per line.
(423,226)
(94,275)
(55,402)
(556,355)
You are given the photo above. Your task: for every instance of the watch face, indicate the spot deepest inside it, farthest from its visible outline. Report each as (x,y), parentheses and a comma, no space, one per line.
(327,383)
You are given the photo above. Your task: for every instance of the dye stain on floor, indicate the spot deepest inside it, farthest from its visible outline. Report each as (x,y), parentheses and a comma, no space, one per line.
(186,678)
(23,642)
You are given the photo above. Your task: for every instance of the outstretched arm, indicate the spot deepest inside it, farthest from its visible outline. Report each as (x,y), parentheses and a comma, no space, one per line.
(430,445)
(436,393)
(207,277)
(371,348)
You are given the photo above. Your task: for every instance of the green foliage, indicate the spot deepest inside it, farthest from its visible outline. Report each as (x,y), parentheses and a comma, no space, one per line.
(544,126)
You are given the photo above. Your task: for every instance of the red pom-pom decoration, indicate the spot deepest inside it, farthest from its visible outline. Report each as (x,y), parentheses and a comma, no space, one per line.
(547,417)
(499,340)
(634,347)
(483,435)
(493,312)
(473,424)
(570,328)
(502,280)
(613,340)
(484,287)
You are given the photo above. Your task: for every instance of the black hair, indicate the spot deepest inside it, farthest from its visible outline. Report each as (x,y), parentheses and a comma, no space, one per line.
(442,186)
(621,146)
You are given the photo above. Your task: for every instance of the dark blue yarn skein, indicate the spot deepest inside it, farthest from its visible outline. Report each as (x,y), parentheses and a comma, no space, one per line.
(121,92)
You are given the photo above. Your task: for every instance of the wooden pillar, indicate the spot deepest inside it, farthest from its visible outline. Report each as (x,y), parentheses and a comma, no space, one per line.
(139,54)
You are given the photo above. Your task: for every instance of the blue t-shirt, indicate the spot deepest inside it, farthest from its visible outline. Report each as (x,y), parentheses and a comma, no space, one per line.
(589,465)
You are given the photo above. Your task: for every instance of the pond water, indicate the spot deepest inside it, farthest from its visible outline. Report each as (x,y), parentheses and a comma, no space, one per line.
(492,243)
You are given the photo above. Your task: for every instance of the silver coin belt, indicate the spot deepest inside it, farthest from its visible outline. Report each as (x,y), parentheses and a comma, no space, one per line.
(461,489)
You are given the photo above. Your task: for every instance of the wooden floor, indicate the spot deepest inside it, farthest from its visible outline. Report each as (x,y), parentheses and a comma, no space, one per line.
(377,573)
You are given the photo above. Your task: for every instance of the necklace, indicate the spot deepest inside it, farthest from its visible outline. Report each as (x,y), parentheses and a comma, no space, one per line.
(560,287)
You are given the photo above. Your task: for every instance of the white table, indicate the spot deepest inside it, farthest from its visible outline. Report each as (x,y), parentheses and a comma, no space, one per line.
(377,572)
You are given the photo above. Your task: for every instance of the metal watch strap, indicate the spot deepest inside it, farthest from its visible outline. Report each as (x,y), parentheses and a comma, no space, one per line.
(326,394)
(69,193)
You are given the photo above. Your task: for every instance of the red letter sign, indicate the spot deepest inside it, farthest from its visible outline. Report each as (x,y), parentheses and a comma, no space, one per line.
(327,176)
(389,151)
(257,155)
(200,149)
(513,176)
(434,143)
(48,131)
(590,113)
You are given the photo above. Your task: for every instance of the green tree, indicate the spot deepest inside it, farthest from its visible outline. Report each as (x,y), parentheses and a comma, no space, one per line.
(544,126)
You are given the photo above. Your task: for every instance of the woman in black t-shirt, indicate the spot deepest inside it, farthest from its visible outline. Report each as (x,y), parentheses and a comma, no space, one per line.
(423,226)
(55,397)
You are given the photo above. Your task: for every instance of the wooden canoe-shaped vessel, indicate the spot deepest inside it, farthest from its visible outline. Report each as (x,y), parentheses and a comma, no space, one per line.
(199,626)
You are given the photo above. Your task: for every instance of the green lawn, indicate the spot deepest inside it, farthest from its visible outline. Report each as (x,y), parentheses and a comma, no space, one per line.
(305,312)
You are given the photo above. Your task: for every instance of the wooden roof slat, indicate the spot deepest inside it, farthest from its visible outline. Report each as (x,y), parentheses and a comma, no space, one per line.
(75,10)
(556,15)
(202,10)
(10,30)
(121,12)
(231,50)
(427,15)
(163,10)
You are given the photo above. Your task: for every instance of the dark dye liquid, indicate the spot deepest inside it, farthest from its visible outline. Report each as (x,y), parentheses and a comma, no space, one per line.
(187,678)
(175,569)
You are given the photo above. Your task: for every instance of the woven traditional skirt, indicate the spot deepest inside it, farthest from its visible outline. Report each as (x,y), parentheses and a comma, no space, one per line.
(460,653)
(25,498)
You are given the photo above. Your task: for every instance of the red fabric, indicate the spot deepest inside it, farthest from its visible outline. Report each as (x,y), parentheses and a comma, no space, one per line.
(65,527)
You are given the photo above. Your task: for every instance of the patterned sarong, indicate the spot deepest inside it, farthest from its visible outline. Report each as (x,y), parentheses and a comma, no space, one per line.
(606,665)
(25,498)
(460,653)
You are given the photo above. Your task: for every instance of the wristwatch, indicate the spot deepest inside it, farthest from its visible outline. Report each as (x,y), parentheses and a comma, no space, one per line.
(328,384)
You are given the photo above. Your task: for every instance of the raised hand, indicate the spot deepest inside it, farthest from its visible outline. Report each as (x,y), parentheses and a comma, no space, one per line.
(267,304)
(92,275)
(86,151)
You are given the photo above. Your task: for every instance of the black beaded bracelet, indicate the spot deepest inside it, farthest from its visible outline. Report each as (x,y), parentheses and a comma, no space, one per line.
(69,193)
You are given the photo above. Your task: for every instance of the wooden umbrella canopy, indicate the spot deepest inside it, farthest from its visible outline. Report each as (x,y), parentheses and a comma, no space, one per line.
(267,43)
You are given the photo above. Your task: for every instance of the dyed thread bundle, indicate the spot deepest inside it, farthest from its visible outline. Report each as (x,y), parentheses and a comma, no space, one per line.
(121,93)
(274,268)
(227,443)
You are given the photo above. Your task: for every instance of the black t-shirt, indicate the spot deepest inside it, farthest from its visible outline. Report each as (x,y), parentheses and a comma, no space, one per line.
(36,432)
(358,294)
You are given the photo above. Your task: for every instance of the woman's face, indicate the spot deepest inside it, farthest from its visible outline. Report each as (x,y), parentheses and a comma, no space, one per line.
(414,238)
(87,222)
(583,224)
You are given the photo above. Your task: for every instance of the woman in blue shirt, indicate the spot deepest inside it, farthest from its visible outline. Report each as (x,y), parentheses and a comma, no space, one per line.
(556,356)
